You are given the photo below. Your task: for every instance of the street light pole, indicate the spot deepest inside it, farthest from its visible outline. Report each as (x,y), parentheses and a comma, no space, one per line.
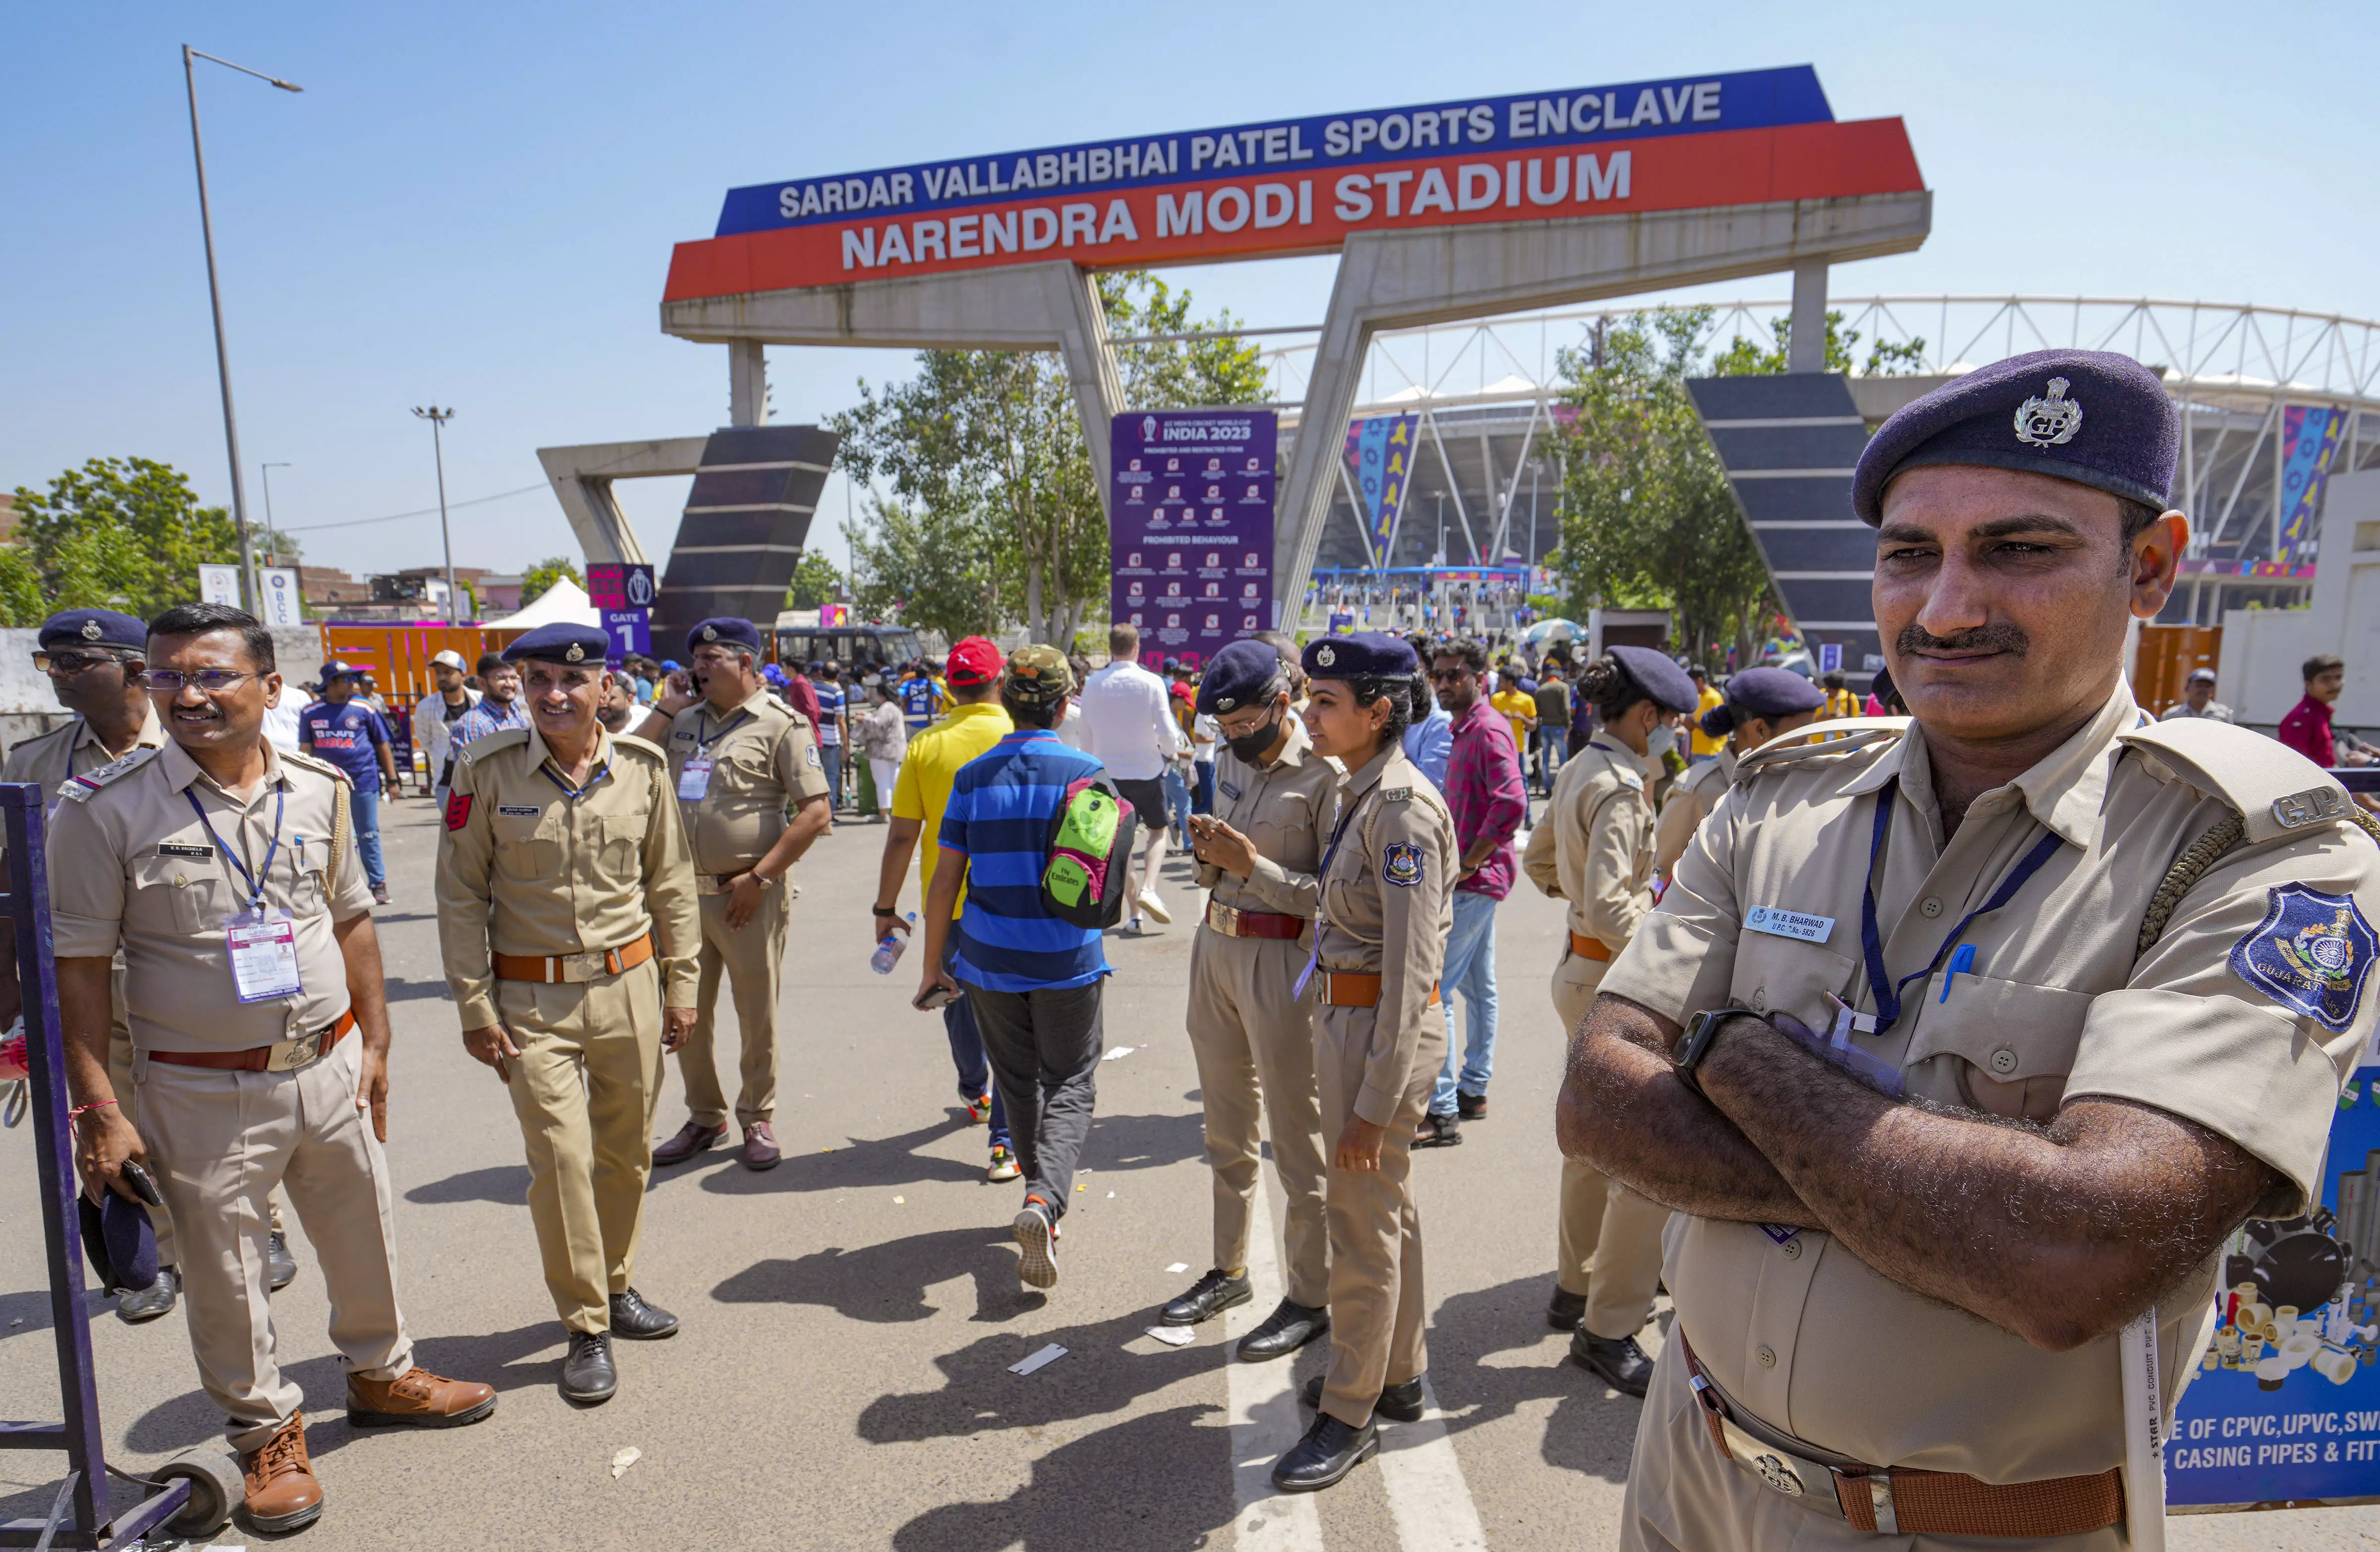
(214,295)
(270,531)
(438,419)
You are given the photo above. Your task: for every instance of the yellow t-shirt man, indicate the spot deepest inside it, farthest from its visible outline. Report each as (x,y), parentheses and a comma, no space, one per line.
(1704,744)
(1520,709)
(931,763)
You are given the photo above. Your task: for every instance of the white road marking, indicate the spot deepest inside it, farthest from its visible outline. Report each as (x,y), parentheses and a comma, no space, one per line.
(1429,1499)
(1265,1419)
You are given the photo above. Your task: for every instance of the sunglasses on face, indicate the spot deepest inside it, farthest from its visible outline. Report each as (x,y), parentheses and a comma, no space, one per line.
(1449,675)
(72,662)
(210,681)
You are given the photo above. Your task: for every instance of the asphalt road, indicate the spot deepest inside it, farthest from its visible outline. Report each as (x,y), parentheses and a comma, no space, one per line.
(841,1379)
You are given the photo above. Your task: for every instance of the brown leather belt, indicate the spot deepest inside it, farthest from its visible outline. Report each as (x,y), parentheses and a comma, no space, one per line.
(286,1056)
(1233,922)
(1898,1500)
(1353,988)
(587,966)
(1586,947)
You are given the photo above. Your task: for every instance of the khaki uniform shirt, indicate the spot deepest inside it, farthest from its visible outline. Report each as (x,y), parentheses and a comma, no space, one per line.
(1602,827)
(1691,799)
(132,867)
(1283,809)
(1803,1333)
(523,869)
(764,760)
(71,750)
(1388,903)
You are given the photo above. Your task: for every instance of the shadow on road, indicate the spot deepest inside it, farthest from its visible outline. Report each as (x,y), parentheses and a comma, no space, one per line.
(417,992)
(886,1283)
(506,1184)
(1096,1376)
(1592,1429)
(1133,1486)
(21,1315)
(1117,1143)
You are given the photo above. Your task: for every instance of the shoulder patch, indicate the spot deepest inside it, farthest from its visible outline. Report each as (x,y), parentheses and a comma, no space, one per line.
(1400,863)
(319,766)
(459,810)
(1858,735)
(2276,790)
(1396,795)
(787,708)
(79,788)
(2312,954)
(630,742)
(503,738)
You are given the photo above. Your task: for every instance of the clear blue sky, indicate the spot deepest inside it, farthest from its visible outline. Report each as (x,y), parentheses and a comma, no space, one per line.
(475,204)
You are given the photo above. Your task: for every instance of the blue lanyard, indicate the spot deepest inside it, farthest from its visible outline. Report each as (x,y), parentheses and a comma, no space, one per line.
(1320,874)
(702,719)
(1879,979)
(574,793)
(253,880)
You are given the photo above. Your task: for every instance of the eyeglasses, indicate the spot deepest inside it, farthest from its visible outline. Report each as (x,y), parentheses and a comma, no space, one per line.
(1448,675)
(210,681)
(73,662)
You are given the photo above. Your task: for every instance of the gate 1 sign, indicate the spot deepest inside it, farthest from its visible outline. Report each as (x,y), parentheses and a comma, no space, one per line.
(1191,538)
(631,631)
(2286,1403)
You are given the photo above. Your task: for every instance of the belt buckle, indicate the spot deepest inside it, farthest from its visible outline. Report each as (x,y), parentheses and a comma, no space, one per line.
(289,1055)
(1224,918)
(585,966)
(1806,1481)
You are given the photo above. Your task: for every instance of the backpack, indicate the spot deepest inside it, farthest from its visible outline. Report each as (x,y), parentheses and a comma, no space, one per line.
(1088,846)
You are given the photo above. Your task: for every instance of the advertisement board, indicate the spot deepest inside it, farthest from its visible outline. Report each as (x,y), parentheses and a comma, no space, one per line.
(219,584)
(613,585)
(1304,185)
(279,603)
(631,631)
(1191,534)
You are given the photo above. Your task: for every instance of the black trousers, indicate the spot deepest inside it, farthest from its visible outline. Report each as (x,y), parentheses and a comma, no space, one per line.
(1044,1047)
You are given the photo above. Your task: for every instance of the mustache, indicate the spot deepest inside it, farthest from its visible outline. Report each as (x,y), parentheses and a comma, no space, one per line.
(1982,638)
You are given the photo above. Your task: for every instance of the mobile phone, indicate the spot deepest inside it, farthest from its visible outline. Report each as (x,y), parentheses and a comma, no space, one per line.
(143,1186)
(933,1000)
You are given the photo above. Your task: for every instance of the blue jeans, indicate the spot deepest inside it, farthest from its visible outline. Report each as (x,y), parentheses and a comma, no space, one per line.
(364,808)
(967,1055)
(1177,803)
(1471,970)
(1552,752)
(1202,800)
(831,762)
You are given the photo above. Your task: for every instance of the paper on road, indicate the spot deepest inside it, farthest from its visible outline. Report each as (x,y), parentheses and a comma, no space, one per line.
(1047,1355)
(1173,1335)
(623,1460)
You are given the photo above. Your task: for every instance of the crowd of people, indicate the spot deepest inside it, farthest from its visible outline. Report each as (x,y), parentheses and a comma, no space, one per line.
(1764,892)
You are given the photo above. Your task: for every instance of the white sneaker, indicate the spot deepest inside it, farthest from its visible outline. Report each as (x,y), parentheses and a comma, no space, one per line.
(1153,905)
(1039,1242)
(1133,924)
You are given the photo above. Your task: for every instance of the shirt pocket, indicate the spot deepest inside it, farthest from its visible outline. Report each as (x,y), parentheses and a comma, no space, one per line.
(2012,1044)
(529,846)
(310,891)
(1777,974)
(619,845)
(182,892)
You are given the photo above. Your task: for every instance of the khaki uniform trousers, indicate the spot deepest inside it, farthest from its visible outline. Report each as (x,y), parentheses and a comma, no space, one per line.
(1375,1273)
(752,959)
(584,1088)
(1253,1038)
(220,1142)
(1610,1239)
(1683,1498)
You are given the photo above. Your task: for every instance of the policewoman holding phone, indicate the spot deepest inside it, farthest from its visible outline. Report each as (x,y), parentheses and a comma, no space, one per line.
(1387,905)
(224,869)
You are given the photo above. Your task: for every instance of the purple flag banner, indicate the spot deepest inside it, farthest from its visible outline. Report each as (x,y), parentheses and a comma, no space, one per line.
(1190,536)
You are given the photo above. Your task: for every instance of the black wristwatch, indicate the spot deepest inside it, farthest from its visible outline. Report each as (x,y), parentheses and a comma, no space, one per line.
(1701,1031)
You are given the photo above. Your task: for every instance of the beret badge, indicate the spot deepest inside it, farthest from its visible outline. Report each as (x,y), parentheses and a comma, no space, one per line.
(2051,421)
(711,633)
(1327,655)
(1226,703)
(91,630)
(576,652)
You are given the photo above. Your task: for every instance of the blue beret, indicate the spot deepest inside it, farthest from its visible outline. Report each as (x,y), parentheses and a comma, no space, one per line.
(94,627)
(121,1242)
(1365,655)
(1659,676)
(724,631)
(1240,675)
(560,642)
(2089,415)
(1766,693)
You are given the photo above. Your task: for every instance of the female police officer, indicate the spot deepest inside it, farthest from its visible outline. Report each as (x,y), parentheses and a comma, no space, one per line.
(1388,877)
(1761,703)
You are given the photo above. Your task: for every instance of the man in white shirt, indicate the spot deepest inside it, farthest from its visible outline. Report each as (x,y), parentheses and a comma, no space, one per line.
(1128,725)
(433,715)
(2198,700)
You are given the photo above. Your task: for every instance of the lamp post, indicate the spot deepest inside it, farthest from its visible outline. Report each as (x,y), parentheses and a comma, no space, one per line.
(266,469)
(438,419)
(214,295)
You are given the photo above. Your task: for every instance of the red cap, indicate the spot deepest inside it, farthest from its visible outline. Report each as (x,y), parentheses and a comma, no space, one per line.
(975,661)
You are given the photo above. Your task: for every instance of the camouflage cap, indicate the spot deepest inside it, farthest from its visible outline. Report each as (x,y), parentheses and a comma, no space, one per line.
(1038,674)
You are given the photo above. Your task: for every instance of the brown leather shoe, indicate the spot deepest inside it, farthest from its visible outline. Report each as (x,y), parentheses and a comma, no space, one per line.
(279,1477)
(761,1150)
(417,1399)
(692,1138)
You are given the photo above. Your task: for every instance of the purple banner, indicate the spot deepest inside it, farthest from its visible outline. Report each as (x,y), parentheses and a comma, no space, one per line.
(1191,535)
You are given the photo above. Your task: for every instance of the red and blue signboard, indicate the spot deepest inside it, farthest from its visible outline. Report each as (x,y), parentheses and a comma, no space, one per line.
(1190,534)
(1304,185)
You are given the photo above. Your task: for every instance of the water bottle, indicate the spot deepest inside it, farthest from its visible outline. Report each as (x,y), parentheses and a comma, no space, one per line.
(889,947)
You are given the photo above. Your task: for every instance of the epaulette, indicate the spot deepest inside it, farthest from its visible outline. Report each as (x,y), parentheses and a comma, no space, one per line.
(487,744)
(316,764)
(2276,790)
(79,789)
(1698,776)
(640,745)
(1847,736)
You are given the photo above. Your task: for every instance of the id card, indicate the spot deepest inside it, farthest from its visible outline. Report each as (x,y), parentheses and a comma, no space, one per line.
(263,955)
(695,780)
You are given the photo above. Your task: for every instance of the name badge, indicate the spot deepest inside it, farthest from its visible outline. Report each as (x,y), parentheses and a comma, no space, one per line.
(263,955)
(1780,923)
(1230,790)
(519,810)
(171,848)
(695,780)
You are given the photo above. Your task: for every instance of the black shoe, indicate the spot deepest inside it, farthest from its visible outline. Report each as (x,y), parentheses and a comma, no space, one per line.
(1437,1131)
(1565,1309)
(587,1371)
(147,1304)
(1471,1107)
(1398,1403)
(1208,1297)
(280,1266)
(1617,1361)
(1323,1457)
(1290,1327)
(636,1320)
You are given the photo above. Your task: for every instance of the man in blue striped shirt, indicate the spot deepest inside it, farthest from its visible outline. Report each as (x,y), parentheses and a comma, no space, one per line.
(1032,980)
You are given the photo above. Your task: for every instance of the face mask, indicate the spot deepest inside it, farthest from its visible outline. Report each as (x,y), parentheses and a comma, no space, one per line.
(1251,747)
(1661,741)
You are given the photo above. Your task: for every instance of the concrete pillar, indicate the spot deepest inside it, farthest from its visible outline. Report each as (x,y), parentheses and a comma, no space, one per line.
(1083,344)
(748,382)
(1806,352)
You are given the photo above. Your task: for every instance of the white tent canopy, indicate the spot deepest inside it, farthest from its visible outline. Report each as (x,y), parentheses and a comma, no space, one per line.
(565,603)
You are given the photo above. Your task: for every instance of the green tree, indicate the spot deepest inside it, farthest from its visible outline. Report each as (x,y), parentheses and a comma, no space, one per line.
(930,567)
(1743,358)
(22,601)
(123,533)
(545,574)
(815,582)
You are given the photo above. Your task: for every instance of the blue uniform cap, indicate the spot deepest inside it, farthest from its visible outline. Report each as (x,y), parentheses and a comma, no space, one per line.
(1659,676)
(1766,693)
(1241,675)
(1365,655)
(723,631)
(560,642)
(2089,416)
(94,627)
